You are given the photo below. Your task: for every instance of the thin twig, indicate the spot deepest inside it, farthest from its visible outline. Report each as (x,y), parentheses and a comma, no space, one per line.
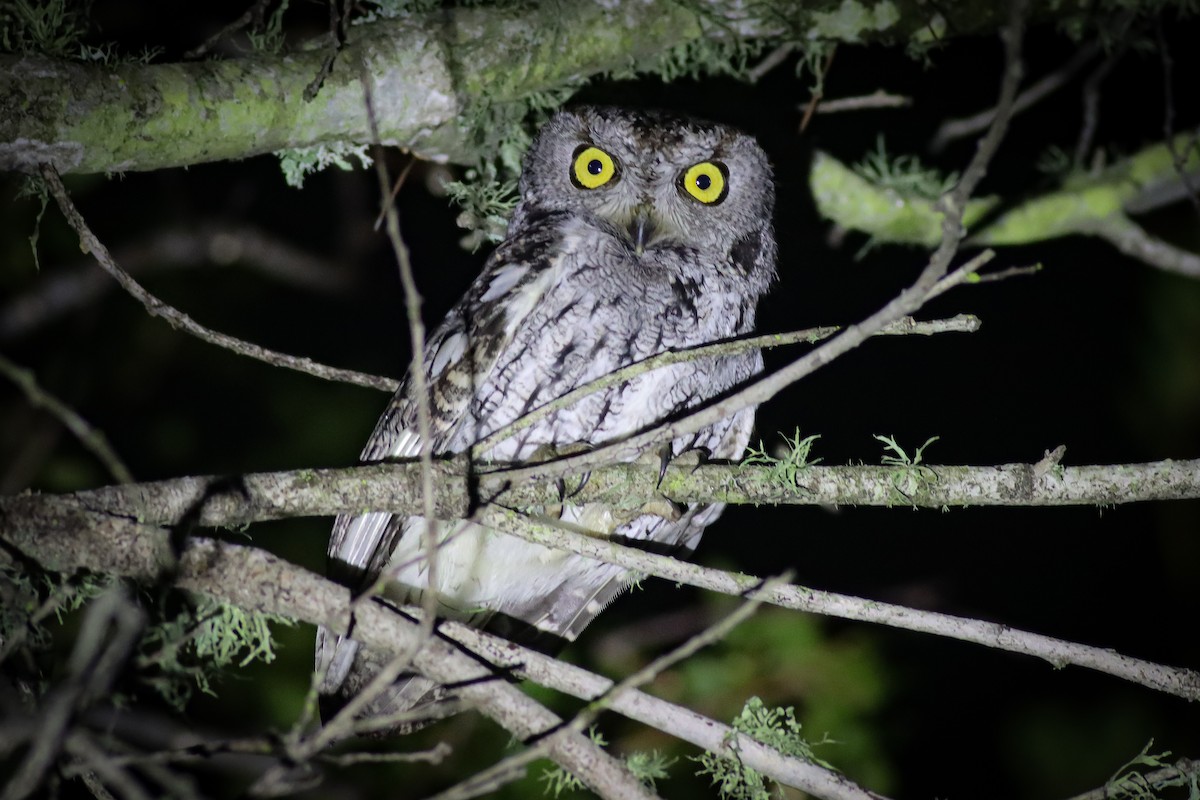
(199,245)
(770,61)
(81,747)
(89,436)
(253,14)
(1177,158)
(435,755)
(383,207)
(819,92)
(877,99)
(962,323)
(337,40)
(416,372)
(181,321)
(1091,95)
(955,129)
(962,274)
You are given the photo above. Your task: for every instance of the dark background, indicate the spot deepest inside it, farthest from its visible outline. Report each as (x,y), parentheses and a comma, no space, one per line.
(1096,352)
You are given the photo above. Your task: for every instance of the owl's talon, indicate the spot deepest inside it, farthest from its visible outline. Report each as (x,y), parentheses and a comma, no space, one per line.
(662,507)
(688,458)
(664,460)
(583,481)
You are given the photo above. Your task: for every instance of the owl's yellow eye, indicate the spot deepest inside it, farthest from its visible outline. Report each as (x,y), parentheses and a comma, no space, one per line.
(592,168)
(706,181)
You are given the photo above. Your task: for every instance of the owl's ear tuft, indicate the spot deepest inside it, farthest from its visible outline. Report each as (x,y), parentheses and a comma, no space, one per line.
(747,252)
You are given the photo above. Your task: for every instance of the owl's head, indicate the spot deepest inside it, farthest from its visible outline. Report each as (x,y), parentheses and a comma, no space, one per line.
(658,179)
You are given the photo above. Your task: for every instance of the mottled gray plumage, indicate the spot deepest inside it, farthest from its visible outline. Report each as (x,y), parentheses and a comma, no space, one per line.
(672,247)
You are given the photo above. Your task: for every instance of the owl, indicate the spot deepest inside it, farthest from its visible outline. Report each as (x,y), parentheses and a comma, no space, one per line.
(635,233)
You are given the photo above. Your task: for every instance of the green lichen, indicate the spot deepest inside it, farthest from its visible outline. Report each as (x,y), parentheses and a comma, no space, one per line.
(298,163)
(774,727)
(852,19)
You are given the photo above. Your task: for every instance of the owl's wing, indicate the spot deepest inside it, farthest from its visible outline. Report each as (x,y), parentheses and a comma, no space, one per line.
(459,356)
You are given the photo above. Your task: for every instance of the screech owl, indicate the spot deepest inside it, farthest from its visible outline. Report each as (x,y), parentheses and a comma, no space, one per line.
(635,233)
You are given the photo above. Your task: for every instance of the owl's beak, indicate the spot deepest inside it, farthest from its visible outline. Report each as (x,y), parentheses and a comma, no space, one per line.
(642,228)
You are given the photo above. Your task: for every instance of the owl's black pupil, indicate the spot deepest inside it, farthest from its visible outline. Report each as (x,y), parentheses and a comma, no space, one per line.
(703,182)
(595,167)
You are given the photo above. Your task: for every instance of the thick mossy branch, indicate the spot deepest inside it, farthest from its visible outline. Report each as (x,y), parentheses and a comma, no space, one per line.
(431,75)
(1083,204)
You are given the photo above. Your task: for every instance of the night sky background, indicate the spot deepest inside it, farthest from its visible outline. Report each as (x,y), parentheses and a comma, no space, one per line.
(1096,352)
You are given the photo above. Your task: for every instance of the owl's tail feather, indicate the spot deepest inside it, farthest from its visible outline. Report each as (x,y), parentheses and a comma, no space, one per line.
(407,705)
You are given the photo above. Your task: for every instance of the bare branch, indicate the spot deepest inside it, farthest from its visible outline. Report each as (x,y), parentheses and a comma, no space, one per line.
(253,15)
(108,635)
(553,533)
(1132,240)
(1091,96)
(963,323)
(90,437)
(198,245)
(221,501)
(877,99)
(181,321)
(772,60)
(1192,146)
(1021,480)
(955,129)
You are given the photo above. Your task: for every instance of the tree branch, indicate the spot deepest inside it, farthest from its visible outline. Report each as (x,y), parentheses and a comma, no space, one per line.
(89,436)
(963,323)
(231,501)
(198,245)
(954,129)
(65,539)
(177,319)
(430,72)
(1085,205)
(553,533)
(395,488)
(258,497)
